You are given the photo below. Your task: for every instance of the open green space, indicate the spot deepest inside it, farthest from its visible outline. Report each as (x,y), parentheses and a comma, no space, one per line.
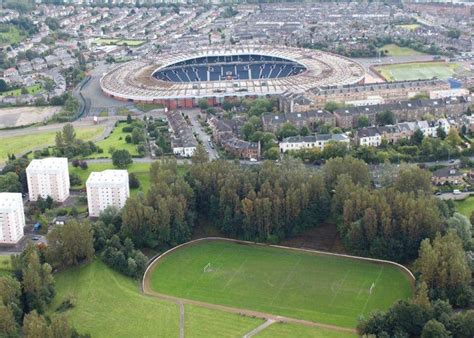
(417,71)
(317,287)
(9,34)
(410,27)
(142,170)
(204,323)
(395,50)
(116,140)
(5,265)
(23,143)
(119,42)
(146,107)
(286,330)
(465,206)
(34,89)
(109,304)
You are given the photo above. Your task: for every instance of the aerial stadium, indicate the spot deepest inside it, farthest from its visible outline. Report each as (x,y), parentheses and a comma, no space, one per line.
(180,79)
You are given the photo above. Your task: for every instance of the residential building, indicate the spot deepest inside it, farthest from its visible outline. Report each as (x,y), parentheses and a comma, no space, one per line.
(12,217)
(309,119)
(106,188)
(318,141)
(183,141)
(448,175)
(48,177)
(368,137)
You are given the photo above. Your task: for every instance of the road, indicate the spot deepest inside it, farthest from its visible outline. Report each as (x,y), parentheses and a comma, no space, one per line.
(201,134)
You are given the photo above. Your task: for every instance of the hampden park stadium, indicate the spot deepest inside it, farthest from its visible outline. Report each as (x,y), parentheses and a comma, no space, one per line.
(179,80)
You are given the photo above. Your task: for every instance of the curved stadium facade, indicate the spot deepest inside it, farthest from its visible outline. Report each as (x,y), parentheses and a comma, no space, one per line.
(181,79)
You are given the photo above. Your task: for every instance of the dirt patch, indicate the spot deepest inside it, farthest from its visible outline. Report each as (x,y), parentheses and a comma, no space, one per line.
(323,237)
(24,116)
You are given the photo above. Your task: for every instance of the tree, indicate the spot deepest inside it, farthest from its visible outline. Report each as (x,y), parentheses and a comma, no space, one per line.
(417,137)
(74,179)
(453,137)
(462,226)
(3,86)
(35,326)
(385,117)
(70,244)
(441,133)
(287,130)
(357,170)
(272,153)
(129,119)
(434,329)
(200,155)
(362,122)
(69,134)
(332,106)
(10,182)
(203,104)
(247,130)
(8,325)
(443,266)
(304,131)
(133,181)
(137,136)
(121,158)
(414,179)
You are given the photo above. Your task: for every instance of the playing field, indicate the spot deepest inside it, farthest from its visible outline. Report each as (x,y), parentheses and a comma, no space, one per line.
(395,50)
(315,287)
(417,71)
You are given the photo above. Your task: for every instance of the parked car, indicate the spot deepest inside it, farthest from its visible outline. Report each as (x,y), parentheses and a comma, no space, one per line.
(456,192)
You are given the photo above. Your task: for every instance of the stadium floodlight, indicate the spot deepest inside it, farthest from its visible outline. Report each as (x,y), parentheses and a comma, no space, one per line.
(371,288)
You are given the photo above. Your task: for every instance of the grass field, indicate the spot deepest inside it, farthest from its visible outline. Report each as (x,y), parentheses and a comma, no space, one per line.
(34,89)
(395,50)
(202,323)
(417,71)
(410,27)
(284,330)
(119,42)
(142,170)
(116,140)
(466,206)
(5,265)
(110,305)
(319,288)
(24,143)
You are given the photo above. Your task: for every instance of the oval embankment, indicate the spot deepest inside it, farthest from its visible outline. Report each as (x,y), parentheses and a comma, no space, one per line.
(296,284)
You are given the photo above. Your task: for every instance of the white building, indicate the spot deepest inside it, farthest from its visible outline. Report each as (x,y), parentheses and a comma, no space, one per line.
(369,137)
(106,188)
(12,217)
(318,141)
(48,177)
(369,101)
(447,93)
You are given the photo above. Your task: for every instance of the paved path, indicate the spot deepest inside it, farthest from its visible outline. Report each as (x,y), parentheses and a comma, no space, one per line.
(259,328)
(181,320)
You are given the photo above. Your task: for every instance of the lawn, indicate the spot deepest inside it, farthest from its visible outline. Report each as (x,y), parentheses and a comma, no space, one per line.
(284,330)
(465,206)
(146,107)
(109,304)
(119,42)
(202,322)
(417,71)
(34,89)
(19,145)
(410,27)
(316,287)
(395,50)
(5,265)
(142,170)
(116,140)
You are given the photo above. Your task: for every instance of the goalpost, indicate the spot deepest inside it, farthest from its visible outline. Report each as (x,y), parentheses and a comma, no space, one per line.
(371,288)
(207,268)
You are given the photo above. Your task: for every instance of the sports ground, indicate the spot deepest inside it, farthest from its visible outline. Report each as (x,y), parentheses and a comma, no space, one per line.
(417,71)
(314,287)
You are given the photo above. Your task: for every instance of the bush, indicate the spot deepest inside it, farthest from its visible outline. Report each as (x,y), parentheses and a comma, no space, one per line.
(84,165)
(68,303)
(127,129)
(128,139)
(74,179)
(133,181)
(75,163)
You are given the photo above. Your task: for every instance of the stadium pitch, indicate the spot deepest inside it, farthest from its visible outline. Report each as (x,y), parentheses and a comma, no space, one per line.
(417,71)
(316,287)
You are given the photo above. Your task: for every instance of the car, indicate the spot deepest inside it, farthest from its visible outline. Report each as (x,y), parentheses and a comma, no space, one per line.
(456,192)
(438,193)
(253,160)
(452,161)
(36,238)
(211,145)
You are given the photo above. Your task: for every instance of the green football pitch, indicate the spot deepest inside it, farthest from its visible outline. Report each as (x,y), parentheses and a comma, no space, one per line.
(316,287)
(417,71)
